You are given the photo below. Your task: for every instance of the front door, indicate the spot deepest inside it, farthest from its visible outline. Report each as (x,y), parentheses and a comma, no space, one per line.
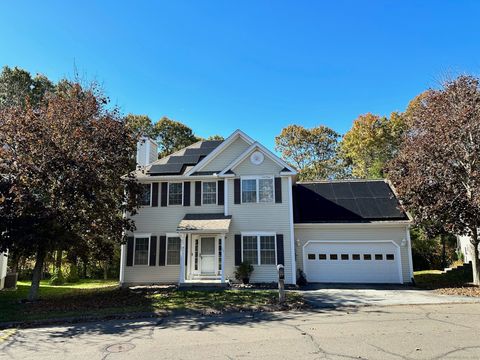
(207,255)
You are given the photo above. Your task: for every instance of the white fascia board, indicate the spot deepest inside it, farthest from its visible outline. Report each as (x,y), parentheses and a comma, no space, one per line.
(148,179)
(219,149)
(379,224)
(268,153)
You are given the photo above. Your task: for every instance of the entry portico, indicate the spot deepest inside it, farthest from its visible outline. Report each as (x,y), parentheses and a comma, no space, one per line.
(202,249)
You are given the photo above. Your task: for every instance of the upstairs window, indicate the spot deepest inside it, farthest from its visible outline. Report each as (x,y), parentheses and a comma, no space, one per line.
(258,189)
(144,197)
(209,192)
(175,193)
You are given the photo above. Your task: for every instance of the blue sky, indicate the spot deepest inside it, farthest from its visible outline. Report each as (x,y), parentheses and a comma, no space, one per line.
(255,65)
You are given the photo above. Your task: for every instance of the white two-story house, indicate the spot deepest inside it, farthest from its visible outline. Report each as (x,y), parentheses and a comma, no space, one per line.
(215,204)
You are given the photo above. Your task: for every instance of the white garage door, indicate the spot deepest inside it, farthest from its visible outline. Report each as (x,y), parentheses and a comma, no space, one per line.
(352,262)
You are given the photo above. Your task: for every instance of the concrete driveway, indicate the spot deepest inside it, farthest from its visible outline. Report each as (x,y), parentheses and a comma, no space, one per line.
(340,295)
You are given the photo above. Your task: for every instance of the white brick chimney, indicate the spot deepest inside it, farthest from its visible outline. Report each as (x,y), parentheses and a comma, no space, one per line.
(147,151)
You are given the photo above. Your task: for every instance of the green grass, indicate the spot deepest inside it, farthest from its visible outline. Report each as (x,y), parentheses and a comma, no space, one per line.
(98,298)
(434,279)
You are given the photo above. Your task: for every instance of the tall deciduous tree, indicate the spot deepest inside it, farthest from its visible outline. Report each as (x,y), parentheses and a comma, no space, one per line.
(61,164)
(437,170)
(172,136)
(371,142)
(17,87)
(140,125)
(311,151)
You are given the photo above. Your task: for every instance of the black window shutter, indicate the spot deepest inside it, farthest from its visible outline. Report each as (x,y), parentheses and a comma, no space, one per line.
(163,197)
(186,193)
(155,194)
(198,193)
(278,190)
(280,252)
(162,249)
(186,250)
(238,249)
(221,192)
(236,190)
(130,251)
(153,250)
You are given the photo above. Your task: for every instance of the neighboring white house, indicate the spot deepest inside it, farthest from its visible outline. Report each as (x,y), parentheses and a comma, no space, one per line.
(214,204)
(3,268)
(465,246)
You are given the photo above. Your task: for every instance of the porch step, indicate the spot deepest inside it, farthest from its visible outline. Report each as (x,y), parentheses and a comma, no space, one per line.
(203,285)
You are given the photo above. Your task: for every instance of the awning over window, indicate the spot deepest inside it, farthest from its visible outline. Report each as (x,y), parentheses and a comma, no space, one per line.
(206,223)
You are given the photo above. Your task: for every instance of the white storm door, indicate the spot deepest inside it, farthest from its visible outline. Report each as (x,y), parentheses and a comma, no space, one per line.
(207,255)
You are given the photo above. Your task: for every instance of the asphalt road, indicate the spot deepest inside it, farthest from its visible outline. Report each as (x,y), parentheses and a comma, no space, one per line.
(441,331)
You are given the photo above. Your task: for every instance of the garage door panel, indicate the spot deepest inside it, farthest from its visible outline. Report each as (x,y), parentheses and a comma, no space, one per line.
(352,262)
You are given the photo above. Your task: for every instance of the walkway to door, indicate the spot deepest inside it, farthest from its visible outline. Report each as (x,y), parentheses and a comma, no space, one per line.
(203,247)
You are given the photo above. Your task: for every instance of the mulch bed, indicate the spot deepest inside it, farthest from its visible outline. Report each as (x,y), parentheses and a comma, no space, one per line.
(468,290)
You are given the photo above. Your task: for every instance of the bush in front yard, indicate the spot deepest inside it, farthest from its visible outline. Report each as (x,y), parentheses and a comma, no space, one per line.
(57,278)
(73,276)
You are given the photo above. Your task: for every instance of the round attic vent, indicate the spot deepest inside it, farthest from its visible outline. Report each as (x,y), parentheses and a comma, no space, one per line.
(256,158)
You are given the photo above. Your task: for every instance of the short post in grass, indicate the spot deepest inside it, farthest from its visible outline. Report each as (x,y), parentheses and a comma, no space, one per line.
(281,283)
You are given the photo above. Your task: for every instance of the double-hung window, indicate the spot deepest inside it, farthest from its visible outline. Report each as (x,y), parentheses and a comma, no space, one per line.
(259,249)
(175,196)
(144,197)
(258,189)
(209,192)
(173,250)
(141,250)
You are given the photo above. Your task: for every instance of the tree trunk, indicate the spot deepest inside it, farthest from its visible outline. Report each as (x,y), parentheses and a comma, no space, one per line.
(58,260)
(444,251)
(476,260)
(37,274)
(105,270)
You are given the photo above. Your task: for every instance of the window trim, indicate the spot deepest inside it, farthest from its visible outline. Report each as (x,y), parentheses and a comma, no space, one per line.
(142,236)
(258,234)
(169,236)
(216,191)
(257,188)
(168,192)
(151,190)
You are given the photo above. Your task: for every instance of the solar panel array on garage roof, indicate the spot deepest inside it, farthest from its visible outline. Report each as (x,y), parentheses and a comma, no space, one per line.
(346,201)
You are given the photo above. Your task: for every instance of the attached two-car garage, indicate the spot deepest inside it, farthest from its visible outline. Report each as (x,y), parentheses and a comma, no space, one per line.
(352,262)
(351,232)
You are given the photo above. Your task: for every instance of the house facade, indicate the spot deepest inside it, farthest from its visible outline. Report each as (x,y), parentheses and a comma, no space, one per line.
(215,204)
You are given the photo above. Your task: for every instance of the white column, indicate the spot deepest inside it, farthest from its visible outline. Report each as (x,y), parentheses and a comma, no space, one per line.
(222,279)
(189,258)
(122,264)
(225,197)
(181,279)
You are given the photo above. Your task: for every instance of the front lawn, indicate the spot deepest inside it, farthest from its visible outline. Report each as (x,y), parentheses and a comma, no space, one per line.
(456,282)
(102,298)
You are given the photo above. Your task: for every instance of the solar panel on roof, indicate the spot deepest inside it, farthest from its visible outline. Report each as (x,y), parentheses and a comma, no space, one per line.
(360,189)
(185,159)
(342,190)
(166,169)
(346,202)
(379,189)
